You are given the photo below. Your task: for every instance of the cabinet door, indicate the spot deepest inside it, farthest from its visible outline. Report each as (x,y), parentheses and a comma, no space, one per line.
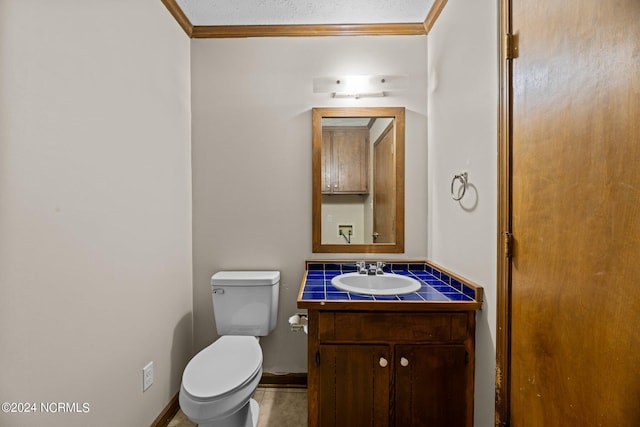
(326,162)
(345,161)
(431,382)
(354,385)
(350,161)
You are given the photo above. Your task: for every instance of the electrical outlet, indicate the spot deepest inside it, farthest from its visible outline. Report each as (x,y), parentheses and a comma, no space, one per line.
(147,376)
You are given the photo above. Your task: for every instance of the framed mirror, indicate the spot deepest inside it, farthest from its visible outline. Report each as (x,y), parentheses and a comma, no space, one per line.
(358,179)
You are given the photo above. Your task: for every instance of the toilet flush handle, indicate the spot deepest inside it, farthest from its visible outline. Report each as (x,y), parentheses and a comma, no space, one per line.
(218,291)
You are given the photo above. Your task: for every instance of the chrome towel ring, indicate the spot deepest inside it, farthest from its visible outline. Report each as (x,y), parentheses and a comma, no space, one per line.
(463,178)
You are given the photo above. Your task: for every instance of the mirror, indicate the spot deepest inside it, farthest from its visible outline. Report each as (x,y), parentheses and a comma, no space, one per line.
(358,179)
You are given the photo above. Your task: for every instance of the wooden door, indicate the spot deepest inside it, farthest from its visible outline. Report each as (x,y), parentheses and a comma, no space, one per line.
(384,188)
(431,385)
(575,296)
(354,385)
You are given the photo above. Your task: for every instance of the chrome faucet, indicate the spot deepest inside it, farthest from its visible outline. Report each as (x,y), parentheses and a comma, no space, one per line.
(373,269)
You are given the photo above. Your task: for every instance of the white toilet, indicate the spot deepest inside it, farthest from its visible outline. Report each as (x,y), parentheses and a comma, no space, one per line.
(218,382)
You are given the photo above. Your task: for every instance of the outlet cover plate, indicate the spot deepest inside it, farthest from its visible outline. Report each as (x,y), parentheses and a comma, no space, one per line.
(147,376)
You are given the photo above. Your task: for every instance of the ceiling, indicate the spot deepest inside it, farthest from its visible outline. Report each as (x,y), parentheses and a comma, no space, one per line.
(303,12)
(260,18)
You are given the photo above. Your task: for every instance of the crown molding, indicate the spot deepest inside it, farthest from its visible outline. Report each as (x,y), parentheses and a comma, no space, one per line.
(240,31)
(231,31)
(433,15)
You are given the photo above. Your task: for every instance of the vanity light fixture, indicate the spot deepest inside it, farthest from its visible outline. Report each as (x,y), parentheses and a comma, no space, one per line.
(358,86)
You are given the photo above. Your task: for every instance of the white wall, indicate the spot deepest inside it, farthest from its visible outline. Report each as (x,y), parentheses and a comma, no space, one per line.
(345,210)
(252,101)
(463,105)
(95,208)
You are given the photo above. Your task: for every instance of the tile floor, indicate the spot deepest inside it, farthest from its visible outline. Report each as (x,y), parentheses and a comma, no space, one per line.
(279,407)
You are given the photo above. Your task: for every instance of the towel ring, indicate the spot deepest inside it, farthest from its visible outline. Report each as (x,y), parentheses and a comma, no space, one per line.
(463,177)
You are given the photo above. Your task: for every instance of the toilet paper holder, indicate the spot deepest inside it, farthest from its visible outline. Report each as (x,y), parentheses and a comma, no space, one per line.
(299,322)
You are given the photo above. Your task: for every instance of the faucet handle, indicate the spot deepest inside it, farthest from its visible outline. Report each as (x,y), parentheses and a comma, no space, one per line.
(362,267)
(379,267)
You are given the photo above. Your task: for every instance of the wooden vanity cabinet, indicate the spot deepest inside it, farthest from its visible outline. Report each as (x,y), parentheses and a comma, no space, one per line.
(391,368)
(345,160)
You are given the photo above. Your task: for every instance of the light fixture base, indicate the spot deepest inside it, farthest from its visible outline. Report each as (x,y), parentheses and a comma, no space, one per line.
(359,86)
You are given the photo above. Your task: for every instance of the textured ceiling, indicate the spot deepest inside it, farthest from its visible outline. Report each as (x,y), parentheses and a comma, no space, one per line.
(304,12)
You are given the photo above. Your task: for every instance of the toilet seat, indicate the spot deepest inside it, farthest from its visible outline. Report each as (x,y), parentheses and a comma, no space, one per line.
(223,367)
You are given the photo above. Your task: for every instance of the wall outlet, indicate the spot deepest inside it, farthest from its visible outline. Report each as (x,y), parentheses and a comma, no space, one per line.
(147,376)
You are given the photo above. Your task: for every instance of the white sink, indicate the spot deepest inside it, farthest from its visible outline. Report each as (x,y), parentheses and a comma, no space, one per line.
(384,284)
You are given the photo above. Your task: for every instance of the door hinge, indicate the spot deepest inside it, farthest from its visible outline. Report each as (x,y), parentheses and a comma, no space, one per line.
(318,358)
(510,46)
(508,244)
(466,358)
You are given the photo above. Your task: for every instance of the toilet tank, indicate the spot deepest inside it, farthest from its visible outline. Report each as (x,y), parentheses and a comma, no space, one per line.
(245,302)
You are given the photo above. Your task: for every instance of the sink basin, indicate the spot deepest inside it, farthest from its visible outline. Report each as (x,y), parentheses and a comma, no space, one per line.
(385,284)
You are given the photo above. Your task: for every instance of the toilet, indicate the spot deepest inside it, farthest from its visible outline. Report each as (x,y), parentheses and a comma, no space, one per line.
(218,382)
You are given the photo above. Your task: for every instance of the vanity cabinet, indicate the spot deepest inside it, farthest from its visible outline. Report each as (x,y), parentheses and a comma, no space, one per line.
(345,160)
(372,368)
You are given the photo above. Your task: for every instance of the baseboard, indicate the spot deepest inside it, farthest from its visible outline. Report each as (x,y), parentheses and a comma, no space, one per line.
(167,413)
(284,380)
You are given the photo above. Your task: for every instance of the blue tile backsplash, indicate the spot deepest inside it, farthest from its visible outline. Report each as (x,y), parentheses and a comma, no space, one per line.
(436,285)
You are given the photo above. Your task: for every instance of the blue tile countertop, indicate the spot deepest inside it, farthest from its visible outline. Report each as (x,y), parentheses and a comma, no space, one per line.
(437,286)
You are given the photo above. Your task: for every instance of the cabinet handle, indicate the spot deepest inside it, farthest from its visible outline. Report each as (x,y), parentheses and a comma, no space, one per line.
(404,361)
(383,362)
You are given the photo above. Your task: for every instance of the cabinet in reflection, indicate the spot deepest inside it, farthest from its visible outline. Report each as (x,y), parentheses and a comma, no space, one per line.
(345,160)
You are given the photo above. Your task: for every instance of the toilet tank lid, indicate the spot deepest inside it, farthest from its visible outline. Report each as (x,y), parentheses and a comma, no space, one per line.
(245,278)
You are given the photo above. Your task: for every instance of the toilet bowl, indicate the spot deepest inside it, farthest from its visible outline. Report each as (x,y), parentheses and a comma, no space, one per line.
(218,382)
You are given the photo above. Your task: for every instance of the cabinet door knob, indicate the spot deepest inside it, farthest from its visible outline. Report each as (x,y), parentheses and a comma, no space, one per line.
(383,362)
(404,361)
